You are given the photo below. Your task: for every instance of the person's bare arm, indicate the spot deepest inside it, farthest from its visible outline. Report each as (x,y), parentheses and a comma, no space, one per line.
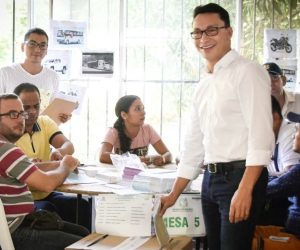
(48,181)
(286,169)
(242,198)
(62,147)
(47,166)
(170,199)
(105,152)
(161,148)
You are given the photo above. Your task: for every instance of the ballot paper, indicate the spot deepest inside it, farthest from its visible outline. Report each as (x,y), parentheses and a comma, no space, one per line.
(127,216)
(161,231)
(79,178)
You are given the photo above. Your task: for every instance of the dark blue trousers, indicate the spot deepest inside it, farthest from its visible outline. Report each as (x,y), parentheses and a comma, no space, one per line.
(217,192)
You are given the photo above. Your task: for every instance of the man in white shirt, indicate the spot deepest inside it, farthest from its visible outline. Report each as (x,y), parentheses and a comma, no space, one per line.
(35,47)
(283,156)
(230,131)
(288,101)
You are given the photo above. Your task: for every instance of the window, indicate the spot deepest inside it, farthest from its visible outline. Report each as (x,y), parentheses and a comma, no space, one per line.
(158,61)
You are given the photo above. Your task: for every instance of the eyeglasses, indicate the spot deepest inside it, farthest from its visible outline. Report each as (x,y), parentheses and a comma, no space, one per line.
(274,78)
(15,114)
(211,31)
(33,44)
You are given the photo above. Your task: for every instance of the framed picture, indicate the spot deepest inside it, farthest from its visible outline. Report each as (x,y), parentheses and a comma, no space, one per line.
(68,34)
(59,61)
(98,64)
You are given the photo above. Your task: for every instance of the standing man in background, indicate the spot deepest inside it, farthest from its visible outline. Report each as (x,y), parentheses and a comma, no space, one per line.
(230,131)
(288,101)
(35,47)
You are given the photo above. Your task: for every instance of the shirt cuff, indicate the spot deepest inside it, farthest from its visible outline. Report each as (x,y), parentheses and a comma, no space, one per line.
(188,172)
(258,158)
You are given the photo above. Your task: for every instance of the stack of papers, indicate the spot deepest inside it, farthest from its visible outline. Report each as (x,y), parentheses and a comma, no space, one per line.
(158,182)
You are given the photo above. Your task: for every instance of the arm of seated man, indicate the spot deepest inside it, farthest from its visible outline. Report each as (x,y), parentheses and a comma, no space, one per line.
(48,181)
(285,170)
(62,146)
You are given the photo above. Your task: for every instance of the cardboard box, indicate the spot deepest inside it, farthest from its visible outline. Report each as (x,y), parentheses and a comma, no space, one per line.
(99,241)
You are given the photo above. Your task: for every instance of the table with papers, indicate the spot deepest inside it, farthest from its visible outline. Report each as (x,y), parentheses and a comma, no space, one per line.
(83,185)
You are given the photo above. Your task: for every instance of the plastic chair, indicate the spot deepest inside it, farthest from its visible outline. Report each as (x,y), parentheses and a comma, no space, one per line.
(5,237)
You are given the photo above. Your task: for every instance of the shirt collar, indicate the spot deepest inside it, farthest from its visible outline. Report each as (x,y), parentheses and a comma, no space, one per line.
(289,97)
(226,60)
(36,127)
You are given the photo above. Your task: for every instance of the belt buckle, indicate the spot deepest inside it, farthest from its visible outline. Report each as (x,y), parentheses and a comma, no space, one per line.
(215,168)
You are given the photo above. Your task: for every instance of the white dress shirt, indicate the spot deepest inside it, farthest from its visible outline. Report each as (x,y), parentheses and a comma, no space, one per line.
(231,117)
(292,103)
(286,156)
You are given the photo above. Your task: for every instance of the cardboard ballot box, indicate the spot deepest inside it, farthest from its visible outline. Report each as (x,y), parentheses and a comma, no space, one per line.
(99,241)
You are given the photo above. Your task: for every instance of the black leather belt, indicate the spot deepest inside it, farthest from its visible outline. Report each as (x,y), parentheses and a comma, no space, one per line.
(224,167)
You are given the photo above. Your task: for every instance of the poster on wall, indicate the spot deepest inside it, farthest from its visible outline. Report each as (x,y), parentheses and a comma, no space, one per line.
(68,34)
(289,70)
(75,93)
(59,61)
(280,43)
(98,64)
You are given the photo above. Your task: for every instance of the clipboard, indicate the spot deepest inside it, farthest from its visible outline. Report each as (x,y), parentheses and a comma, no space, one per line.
(58,106)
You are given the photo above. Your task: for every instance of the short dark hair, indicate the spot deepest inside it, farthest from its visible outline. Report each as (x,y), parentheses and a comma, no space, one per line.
(8,96)
(213,8)
(38,31)
(26,87)
(276,107)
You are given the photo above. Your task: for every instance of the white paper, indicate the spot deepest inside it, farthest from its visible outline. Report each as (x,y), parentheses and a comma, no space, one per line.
(80,178)
(132,243)
(280,43)
(45,98)
(125,216)
(73,93)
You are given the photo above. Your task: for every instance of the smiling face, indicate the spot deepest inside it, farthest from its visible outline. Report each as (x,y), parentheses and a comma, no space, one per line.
(12,129)
(212,48)
(35,55)
(136,114)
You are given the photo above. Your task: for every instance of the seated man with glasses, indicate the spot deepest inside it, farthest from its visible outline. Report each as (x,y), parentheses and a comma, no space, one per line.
(17,172)
(41,132)
(35,47)
(288,101)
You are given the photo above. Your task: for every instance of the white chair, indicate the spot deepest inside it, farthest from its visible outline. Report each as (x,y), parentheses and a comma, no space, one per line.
(5,237)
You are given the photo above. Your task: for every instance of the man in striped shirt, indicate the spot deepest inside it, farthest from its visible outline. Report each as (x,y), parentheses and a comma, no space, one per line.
(16,172)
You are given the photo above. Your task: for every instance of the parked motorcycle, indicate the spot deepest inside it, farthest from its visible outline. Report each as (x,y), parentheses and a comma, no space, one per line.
(281,44)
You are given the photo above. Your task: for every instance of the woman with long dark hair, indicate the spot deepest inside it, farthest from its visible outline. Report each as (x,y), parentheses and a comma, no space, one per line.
(131,134)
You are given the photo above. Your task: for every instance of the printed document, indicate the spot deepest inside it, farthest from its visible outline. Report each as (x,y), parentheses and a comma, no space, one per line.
(128,215)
